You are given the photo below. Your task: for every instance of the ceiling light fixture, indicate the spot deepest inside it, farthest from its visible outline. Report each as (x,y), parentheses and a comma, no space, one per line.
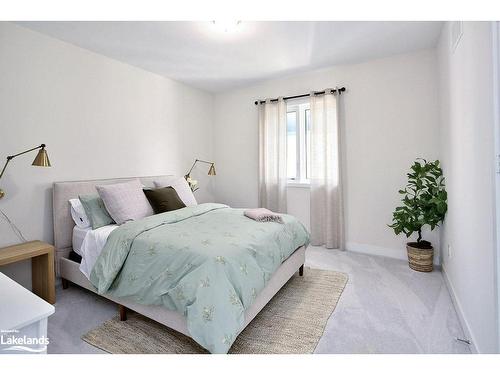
(226,26)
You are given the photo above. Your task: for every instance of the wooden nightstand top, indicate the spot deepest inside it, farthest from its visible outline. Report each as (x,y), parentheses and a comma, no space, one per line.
(42,266)
(27,250)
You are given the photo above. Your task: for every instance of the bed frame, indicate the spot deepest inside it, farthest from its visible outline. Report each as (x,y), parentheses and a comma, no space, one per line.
(69,270)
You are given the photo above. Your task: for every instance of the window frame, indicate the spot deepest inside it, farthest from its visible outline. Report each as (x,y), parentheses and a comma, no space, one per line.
(300,108)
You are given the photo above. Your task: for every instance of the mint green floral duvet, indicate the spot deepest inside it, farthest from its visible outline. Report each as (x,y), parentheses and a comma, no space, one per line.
(207,262)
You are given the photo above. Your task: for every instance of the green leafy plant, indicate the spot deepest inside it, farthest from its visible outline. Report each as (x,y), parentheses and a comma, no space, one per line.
(424,201)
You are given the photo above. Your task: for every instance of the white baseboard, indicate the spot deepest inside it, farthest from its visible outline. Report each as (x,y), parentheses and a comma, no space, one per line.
(458,308)
(382,251)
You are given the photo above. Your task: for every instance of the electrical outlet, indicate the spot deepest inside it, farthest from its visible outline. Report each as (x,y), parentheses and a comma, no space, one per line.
(449,251)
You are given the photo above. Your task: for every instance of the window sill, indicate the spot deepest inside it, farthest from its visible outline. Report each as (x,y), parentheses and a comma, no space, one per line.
(304,184)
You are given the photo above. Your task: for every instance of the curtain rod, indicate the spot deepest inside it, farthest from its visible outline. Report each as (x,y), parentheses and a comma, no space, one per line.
(341,90)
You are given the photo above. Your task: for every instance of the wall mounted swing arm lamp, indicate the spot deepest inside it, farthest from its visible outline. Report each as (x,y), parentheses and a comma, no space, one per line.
(193,183)
(41,160)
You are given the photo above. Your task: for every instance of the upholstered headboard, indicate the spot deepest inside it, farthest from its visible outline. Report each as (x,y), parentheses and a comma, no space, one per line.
(63,223)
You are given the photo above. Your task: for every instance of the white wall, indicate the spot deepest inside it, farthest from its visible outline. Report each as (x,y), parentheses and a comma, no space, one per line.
(391,117)
(99,118)
(467,142)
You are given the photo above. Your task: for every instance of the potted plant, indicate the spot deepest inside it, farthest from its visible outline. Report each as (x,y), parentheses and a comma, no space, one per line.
(424,203)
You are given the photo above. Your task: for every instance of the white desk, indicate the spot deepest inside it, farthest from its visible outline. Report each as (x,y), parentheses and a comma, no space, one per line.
(23,319)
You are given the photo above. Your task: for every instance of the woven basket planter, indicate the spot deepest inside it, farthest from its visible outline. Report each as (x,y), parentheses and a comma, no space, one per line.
(420,259)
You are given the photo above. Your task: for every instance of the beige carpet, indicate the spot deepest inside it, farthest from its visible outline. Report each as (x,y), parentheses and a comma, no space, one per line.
(292,322)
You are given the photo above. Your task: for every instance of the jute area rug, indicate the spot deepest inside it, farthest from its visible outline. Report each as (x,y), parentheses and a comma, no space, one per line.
(292,322)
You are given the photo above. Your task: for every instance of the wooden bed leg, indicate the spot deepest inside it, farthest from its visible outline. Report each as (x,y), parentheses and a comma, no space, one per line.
(65,283)
(123,312)
(301,270)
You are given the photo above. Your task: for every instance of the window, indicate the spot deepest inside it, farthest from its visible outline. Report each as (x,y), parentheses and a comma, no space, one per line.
(298,142)
(291,145)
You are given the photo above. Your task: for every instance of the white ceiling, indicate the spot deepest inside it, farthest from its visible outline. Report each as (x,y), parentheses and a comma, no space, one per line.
(202,56)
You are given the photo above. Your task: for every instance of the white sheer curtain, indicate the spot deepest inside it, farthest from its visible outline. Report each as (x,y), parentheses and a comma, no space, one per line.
(272,155)
(327,213)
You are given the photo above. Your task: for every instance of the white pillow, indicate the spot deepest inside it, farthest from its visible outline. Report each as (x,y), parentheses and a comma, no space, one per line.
(78,214)
(125,201)
(180,186)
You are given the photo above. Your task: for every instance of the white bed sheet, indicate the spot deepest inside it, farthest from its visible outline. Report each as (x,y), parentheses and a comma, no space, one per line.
(78,237)
(92,245)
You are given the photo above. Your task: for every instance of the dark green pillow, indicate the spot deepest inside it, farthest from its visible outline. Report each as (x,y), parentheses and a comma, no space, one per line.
(95,210)
(164,199)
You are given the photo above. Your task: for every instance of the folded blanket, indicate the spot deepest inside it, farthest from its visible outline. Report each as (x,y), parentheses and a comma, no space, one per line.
(263,214)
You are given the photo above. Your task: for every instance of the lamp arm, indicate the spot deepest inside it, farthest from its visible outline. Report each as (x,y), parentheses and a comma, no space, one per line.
(4,167)
(10,157)
(204,161)
(201,161)
(196,161)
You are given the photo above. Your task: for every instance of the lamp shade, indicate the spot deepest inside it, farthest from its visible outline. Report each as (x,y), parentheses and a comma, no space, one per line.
(41,159)
(211,171)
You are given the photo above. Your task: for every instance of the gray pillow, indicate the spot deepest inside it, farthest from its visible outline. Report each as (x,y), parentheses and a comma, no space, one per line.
(125,201)
(95,210)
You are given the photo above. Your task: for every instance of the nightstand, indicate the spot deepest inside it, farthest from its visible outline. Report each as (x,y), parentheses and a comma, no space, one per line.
(42,266)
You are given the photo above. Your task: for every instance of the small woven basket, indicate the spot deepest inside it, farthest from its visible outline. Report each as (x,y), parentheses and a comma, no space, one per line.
(420,259)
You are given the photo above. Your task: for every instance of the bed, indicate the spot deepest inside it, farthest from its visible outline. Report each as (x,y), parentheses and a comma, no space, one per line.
(69,270)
